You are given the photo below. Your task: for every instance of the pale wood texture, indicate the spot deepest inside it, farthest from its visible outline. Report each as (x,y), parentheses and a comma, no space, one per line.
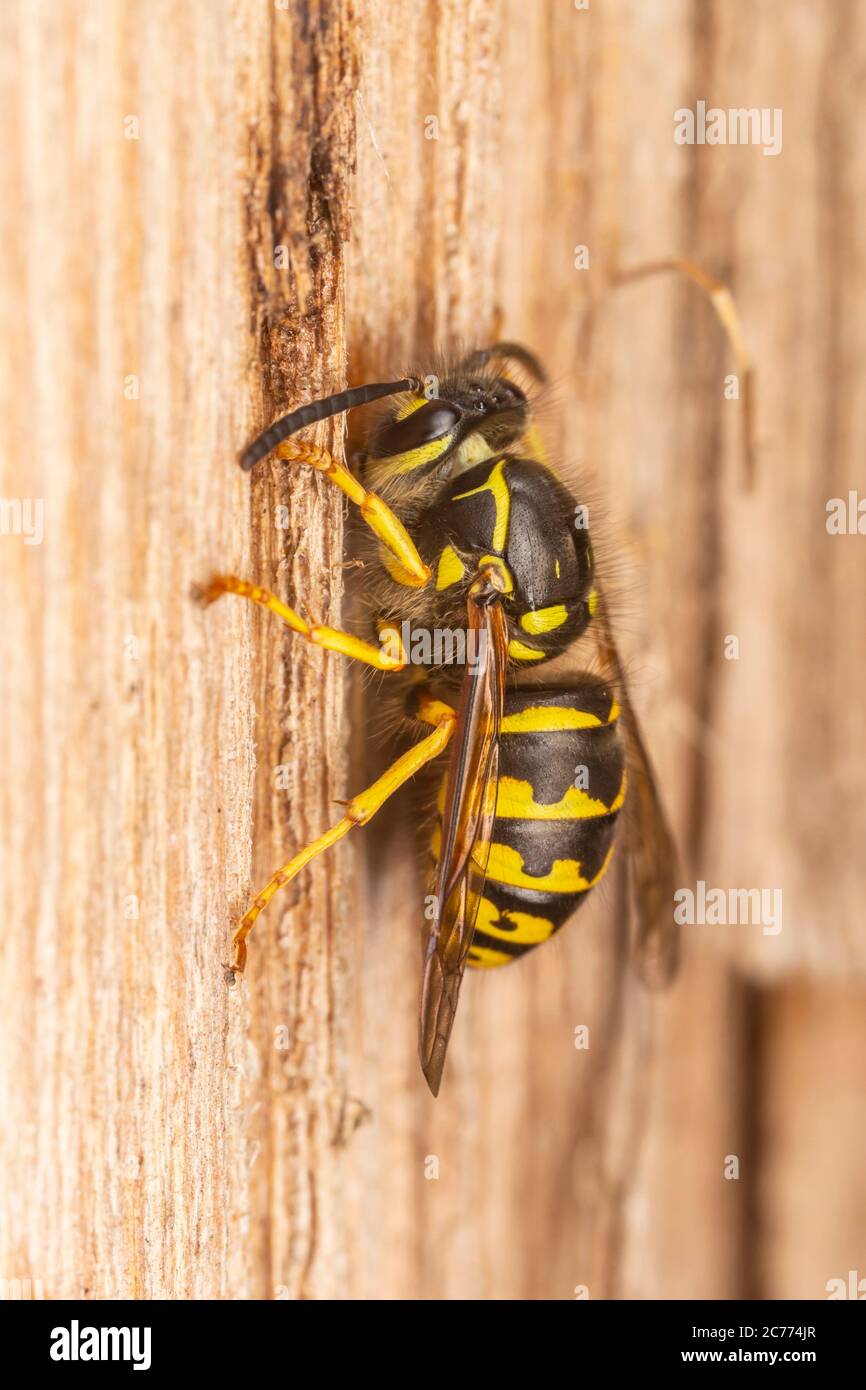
(320,193)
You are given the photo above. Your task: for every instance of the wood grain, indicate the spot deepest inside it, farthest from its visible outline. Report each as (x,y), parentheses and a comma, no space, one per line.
(320,193)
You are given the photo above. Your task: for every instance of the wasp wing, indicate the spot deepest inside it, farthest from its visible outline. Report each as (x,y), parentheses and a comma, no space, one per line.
(651,849)
(467,820)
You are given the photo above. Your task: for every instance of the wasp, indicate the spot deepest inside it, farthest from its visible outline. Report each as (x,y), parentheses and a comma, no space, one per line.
(469,526)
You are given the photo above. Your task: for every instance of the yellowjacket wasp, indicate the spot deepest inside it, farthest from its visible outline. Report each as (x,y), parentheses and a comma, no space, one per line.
(470,527)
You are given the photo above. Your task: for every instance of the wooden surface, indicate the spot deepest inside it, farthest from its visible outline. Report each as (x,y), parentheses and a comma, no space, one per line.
(282,225)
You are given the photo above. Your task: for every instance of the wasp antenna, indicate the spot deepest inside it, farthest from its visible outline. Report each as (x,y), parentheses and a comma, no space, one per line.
(510,352)
(321,410)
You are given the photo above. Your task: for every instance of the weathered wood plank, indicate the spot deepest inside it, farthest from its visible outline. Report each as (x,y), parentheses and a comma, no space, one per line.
(324,192)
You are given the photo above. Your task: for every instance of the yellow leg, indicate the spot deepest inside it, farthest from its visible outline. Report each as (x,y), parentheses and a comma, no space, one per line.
(385,658)
(406,566)
(358,811)
(723,303)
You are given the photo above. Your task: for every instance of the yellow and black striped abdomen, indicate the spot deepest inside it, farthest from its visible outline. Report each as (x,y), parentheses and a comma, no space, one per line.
(561,786)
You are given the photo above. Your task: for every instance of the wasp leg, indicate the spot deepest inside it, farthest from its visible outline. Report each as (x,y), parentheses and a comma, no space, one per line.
(723,302)
(332,639)
(358,811)
(406,565)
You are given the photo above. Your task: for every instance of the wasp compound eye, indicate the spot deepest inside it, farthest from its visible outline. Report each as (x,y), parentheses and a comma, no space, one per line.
(429,422)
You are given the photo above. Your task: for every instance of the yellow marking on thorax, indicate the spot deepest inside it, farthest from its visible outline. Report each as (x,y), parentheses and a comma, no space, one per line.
(592,603)
(515,801)
(520,651)
(544,619)
(497,563)
(505,865)
(495,483)
(450,569)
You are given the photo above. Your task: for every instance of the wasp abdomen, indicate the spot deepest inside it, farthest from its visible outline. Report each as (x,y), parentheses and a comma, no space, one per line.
(561,786)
